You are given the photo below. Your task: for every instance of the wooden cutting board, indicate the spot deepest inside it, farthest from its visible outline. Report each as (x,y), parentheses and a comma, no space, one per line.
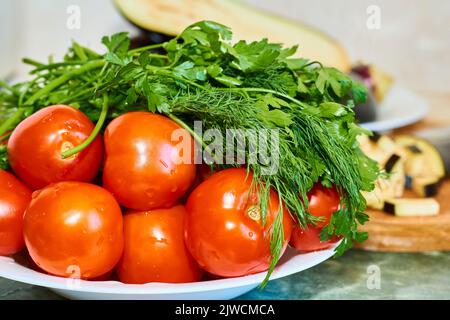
(410,234)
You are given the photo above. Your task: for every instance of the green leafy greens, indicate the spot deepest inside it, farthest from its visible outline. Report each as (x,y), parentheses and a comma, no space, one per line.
(201,75)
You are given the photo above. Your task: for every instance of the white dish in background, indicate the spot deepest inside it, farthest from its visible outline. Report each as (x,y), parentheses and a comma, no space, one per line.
(400,107)
(292,262)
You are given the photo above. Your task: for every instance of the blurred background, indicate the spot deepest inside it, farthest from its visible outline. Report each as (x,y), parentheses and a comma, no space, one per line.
(411,43)
(407,40)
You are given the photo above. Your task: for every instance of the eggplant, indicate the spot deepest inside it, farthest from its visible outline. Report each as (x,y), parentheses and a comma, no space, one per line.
(145,38)
(380,148)
(367,111)
(395,167)
(383,149)
(168,18)
(426,186)
(383,190)
(377,81)
(422,158)
(392,163)
(412,207)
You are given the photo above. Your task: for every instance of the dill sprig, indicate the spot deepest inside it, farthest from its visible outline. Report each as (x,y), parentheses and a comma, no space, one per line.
(200,75)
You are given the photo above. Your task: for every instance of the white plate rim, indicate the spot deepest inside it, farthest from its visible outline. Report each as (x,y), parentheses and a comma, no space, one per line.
(30,276)
(415,109)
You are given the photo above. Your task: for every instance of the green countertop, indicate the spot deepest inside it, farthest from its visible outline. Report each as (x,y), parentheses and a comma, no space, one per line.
(356,275)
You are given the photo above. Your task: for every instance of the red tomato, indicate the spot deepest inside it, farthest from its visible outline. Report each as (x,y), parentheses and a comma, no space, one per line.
(141,167)
(35,146)
(74,227)
(154,248)
(14,199)
(323,202)
(309,239)
(224,231)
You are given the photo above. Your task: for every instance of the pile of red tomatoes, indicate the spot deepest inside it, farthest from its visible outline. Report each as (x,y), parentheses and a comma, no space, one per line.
(124,208)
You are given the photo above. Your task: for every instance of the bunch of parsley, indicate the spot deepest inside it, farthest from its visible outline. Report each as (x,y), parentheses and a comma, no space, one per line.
(201,75)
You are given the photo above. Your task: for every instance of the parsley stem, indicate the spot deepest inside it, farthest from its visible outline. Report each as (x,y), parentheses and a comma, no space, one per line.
(62,79)
(158,56)
(101,120)
(11,121)
(150,47)
(56,65)
(32,62)
(5,137)
(170,74)
(298,102)
(194,135)
(6,86)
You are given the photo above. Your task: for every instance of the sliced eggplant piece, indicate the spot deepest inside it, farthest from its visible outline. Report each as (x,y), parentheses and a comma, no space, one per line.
(379,149)
(374,199)
(375,137)
(408,182)
(384,189)
(396,168)
(422,158)
(170,17)
(386,144)
(392,186)
(426,186)
(414,149)
(412,207)
(392,162)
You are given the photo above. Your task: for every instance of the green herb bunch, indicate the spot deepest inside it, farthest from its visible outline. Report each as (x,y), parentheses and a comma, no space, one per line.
(201,75)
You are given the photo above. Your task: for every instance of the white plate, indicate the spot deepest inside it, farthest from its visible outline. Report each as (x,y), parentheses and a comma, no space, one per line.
(401,107)
(292,262)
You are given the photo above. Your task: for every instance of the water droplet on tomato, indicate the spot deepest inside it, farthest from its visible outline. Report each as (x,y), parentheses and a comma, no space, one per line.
(47,118)
(150,192)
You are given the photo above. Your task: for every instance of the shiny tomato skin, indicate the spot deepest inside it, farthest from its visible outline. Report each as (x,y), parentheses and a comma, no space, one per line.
(220,232)
(14,199)
(154,248)
(35,146)
(140,167)
(309,240)
(74,227)
(323,202)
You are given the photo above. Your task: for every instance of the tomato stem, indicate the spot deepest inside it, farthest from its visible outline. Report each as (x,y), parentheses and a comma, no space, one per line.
(101,120)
